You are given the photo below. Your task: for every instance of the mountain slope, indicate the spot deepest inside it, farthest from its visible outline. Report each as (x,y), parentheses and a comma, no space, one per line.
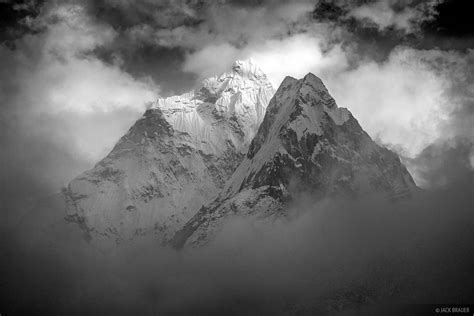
(172,160)
(305,145)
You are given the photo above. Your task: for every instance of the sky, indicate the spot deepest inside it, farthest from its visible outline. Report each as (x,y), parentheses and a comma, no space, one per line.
(75,75)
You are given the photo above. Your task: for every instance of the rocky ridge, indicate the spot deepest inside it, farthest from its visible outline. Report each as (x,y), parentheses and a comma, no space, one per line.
(305,146)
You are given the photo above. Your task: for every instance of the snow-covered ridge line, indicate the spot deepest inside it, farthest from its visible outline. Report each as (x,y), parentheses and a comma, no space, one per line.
(239,79)
(305,147)
(174,159)
(241,94)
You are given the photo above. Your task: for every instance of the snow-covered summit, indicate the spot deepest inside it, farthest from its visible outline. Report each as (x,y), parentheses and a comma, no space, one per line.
(240,95)
(174,159)
(300,106)
(247,68)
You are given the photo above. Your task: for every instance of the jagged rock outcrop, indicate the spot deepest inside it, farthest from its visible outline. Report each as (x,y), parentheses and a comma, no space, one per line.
(174,159)
(305,145)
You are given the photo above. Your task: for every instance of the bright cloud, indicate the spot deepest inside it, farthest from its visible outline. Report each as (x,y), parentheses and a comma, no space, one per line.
(60,100)
(400,102)
(293,56)
(65,77)
(296,56)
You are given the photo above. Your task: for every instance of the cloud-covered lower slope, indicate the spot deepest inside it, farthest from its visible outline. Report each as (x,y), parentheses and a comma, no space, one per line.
(335,256)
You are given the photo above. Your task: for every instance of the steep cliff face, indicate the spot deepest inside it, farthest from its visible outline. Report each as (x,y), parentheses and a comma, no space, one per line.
(305,145)
(174,159)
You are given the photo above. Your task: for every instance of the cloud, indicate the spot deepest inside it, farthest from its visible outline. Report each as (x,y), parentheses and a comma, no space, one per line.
(403,15)
(62,107)
(291,56)
(444,162)
(218,23)
(413,101)
(94,87)
(55,71)
(157,13)
(396,99)
(296,56)
(335,256)
(211,60)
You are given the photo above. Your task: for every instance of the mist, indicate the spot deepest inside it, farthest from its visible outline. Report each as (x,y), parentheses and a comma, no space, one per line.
(332,256)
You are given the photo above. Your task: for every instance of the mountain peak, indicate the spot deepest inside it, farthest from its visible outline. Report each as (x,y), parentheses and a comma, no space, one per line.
(173,159)
(301,106)
(243,75)
(314,82)
(305,147)
(247,68)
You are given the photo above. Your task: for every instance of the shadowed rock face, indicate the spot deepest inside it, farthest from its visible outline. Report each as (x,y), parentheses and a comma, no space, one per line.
(305,146)
(173,160)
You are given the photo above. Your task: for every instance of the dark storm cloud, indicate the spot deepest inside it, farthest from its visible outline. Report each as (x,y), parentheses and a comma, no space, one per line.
(404,16)
(159,14)
(148,31)
(194,24)
(162,64)
(14,17)
(453,20)
(383,25)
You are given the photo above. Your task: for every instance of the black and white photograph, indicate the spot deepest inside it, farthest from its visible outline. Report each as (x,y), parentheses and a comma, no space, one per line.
(236,157)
